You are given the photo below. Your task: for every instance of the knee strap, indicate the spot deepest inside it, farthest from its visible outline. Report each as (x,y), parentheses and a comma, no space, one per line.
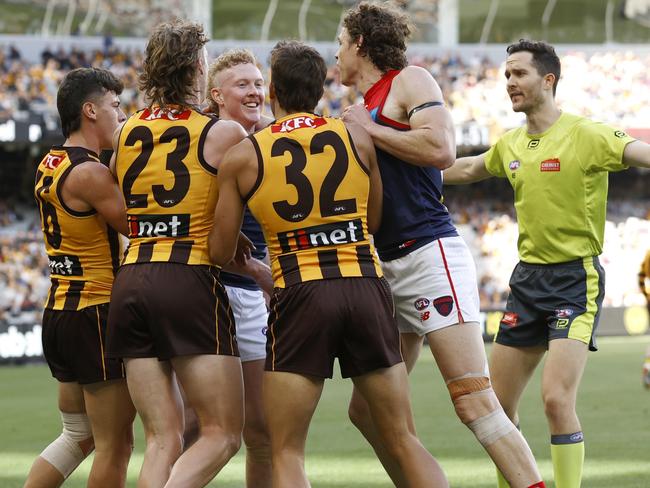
(489,427)
(64,452)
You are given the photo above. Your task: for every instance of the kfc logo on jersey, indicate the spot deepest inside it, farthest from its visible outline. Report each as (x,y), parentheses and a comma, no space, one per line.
(444,305)
(322,235)
(52,161)
(510,319)
(164,114)
(298,123)
(550,165)
(65,265)
(421,303)
(159,225)
(514,165)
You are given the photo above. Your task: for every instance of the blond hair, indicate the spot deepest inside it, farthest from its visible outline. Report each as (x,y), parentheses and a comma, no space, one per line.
(226,60)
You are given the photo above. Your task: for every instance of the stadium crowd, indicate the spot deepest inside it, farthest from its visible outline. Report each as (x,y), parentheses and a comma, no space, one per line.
(488,226)
(472,86)
(474,91)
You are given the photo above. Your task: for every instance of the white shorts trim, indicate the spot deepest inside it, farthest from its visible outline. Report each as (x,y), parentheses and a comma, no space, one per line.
(249,309)
(434,286)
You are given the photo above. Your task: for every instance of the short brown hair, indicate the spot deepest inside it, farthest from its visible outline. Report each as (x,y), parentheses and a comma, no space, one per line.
(298,73)
(226,60)
(545,59)
(385,31)
(79,86)
(169,67)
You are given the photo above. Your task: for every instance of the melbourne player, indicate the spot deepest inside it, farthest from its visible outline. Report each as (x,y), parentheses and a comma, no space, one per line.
(428,266)
(236,92)
(313,184)
(81,209)
(558,165)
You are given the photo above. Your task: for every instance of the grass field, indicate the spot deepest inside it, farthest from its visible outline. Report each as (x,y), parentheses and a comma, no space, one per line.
(614,409)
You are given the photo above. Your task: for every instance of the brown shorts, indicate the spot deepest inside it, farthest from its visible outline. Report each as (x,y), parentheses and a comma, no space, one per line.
(314,322)
(73,345)
(166,310)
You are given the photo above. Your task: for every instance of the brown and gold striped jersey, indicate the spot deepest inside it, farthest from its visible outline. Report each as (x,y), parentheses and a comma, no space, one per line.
(311,199)
(170,190)
(83,251)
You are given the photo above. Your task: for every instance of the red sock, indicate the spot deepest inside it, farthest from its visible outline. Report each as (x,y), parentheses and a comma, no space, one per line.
(538,485)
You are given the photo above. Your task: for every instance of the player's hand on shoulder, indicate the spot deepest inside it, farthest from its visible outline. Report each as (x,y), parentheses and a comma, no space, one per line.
(357,114)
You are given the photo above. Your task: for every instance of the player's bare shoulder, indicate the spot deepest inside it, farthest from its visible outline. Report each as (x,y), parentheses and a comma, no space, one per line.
(416,82)
(223,135)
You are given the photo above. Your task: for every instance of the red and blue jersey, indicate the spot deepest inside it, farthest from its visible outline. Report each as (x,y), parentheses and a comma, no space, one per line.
(413,214)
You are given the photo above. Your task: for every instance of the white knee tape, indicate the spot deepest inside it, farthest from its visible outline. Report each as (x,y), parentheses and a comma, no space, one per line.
(64,453)
(491,427)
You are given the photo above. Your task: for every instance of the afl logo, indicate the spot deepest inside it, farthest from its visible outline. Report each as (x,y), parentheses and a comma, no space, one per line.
(421,303)
(514,165)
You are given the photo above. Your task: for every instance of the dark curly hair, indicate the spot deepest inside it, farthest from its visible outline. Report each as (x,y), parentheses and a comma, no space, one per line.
(169,67)
(297,73)
(385,31)
(78,87)
(545,59)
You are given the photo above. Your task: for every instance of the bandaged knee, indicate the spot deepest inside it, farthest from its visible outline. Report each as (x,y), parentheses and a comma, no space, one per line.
(64,452)
(478,408)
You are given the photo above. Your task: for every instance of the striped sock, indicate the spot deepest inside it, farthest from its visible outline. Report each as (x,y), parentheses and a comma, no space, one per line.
(568,455)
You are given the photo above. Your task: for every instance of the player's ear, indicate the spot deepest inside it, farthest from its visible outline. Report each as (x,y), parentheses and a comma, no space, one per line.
(271,90)
(89,111)
(216,95)
(360,42)
(549,81)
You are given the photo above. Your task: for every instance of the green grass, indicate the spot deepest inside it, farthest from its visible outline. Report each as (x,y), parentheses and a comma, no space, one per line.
(614,410)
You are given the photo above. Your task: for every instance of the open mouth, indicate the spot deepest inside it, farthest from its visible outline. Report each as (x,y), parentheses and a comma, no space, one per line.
(252,105)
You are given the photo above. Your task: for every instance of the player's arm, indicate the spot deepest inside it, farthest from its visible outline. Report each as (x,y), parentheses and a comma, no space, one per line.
(256,269)
(116,142)
(366,150)
(637,153)
(92,185)
(229,212)
(431,140)
(466,170)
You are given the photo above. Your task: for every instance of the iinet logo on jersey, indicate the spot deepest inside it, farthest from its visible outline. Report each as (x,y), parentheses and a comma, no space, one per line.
(300,122)
(159,225)
(322,235)
(165,114)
